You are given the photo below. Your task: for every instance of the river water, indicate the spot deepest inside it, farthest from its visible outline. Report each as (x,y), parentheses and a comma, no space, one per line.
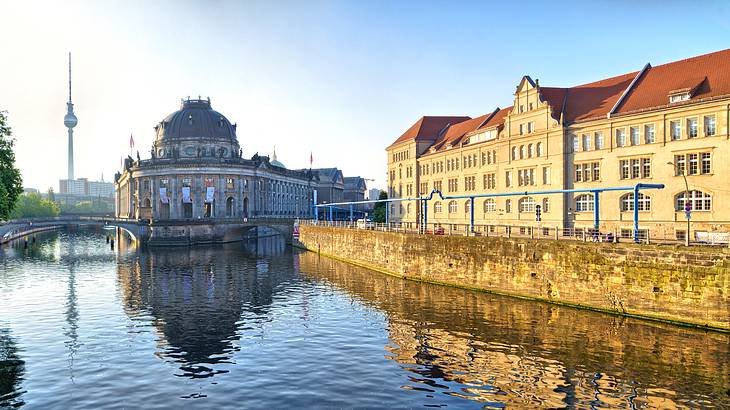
(259,325)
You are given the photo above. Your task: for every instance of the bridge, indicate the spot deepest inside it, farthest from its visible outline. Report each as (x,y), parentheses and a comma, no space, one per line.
(155,232)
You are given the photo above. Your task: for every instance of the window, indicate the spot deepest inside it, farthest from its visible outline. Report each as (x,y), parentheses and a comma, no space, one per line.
(490,205)
(523,155)
(678,98)
(698,201)
(229,183)
(649,134)
(484,158)
(691,127)
(620,138)
(539,149)
(599,140)
(676,130)
(467,207)
(635,168)
(584,203)
(408,209)
(587,172)
(693,164)
(575,143)
(470,183)
(586,142)
(522,108)
(494,156)
(164,182)
(705,165)
(526,204)
(530,106)
(546,175)
(437,186)
(508,206)
(531,127)
(634,135)
(508,178)
(596,171)
(186,182)
(530,151)
(627,202)
(546,205)
(437,207)
(453,185)
(522,129)
(452,207)
(489,181)
(514,153)
(709,125)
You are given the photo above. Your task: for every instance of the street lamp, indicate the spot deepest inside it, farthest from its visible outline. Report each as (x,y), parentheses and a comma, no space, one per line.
(687,205)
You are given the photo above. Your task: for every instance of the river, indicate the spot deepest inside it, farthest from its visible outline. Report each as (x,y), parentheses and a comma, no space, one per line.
(260,325)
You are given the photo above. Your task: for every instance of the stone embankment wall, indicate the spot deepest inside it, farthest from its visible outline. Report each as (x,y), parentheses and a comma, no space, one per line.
(672,284)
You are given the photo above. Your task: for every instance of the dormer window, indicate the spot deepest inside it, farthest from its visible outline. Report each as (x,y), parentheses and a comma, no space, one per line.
(675,98)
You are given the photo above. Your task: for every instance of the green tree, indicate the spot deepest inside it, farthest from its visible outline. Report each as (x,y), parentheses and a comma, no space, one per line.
(379,208)
(11,183)
(33,206)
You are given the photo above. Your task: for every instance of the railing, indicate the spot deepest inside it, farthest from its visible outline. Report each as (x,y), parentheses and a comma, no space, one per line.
(529,232)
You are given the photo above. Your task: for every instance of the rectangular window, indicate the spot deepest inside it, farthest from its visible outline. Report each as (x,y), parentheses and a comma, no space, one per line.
(522,129)
(649,134)
(709,125)
(693,164)
(625,169)
(646,167)
(596,171)
(576,143)
(578,173)
(620,138)
(634,134)
(635,168)
(676,130)
(546,175)
(229,183)
(691,127)
(508,178)
(599,140)
(680,165)
(706,166)
(530,127)
(586,142)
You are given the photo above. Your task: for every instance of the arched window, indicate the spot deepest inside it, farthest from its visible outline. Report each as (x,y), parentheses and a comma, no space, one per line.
(522,152)
(530,151)
(490,205)
(627,202)
(545,205)
(467,207)
(526,204)
(452,207)
(698,201)
(584,203)
(539,149)
(514,153)
(437,207)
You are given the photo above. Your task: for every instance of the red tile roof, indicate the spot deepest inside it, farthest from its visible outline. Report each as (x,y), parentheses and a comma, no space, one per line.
(709,74)
(428,128)
(456,131)
(497,119)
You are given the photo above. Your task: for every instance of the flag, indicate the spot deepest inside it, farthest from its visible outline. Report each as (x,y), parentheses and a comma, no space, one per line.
(131,141)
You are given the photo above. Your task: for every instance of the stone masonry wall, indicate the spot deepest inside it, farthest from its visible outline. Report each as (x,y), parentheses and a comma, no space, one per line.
(689,286)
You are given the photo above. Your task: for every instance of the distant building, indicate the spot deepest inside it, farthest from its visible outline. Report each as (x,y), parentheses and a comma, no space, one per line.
(74,187)
(85,188)
(27,191)
(331,185)
(354,189)
(373,194)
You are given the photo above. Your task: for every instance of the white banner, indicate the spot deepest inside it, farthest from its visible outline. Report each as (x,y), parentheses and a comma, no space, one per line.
(186,194)
(209,193)
(163,196)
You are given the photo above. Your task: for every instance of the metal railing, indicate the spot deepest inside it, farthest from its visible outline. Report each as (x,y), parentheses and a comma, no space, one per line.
(551,232)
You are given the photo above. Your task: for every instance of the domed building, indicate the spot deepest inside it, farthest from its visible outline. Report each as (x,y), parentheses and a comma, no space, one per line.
(196,171)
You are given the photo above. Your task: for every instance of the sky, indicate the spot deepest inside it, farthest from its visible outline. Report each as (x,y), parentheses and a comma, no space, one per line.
(339,79)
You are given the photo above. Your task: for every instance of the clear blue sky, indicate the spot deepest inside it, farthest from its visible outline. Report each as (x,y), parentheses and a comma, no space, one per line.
(340,79)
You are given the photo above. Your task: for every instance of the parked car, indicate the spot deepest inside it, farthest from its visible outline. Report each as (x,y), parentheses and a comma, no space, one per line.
(439,230)
(365,224)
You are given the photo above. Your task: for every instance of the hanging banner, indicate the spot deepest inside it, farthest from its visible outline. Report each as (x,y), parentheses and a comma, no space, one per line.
(186,194)
(163,196)
(209,193)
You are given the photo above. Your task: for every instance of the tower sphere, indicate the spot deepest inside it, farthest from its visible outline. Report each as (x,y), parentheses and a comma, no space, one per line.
(69,120)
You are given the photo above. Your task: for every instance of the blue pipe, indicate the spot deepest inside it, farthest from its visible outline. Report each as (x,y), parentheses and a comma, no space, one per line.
(471,220)
(596,210)
(636,213)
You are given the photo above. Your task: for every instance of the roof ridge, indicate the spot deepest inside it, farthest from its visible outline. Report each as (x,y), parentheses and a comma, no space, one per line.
(692,58)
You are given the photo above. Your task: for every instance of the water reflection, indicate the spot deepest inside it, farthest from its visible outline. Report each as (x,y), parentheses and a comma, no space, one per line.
(12,369)
(200,298)
(503,352)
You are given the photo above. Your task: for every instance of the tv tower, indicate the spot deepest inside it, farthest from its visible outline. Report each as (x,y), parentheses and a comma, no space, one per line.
(70,122)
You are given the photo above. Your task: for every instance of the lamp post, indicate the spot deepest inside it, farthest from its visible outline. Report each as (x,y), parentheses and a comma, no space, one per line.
(687,206)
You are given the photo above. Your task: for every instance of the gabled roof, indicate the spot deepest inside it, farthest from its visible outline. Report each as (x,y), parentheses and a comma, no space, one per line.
(706,76)
(333,175)
(354,183)
(455,132)
(428,128)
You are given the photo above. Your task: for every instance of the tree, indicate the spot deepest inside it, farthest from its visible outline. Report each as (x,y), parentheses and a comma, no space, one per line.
(11,183)
(379,208)
(33,206)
